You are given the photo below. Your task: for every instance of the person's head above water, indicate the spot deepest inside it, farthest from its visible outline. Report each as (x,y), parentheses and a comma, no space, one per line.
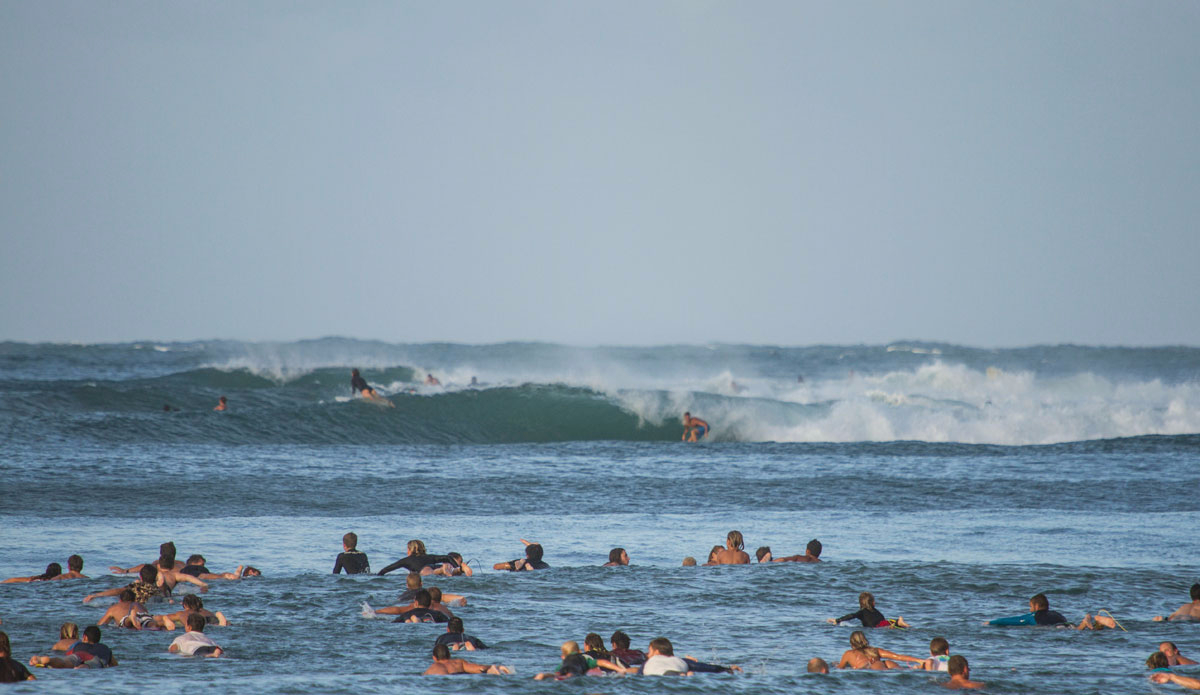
(533,552)
(817,665)
(958,665)
(416,547)
(424,600)
(734,540)
(1039,603)
(413,580)
(939,646)
(1195,592)
(689,561)
(620,640)
(866,600)
(813,548)
(52,570)
(618,556)
(75,563)
(148,574)
(764,551)
(1157,660)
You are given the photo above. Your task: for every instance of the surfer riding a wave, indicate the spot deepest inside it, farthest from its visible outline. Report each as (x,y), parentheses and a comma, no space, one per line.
(694,428)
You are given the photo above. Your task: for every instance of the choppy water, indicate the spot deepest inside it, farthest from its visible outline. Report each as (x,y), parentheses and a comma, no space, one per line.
(577,449)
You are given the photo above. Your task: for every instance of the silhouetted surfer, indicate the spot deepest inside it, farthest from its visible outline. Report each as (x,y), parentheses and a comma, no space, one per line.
(359,385)
(694,428)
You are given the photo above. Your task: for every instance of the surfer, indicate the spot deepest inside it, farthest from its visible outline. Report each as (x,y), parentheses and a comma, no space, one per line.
(531,561)
(87,652)
(868,615)
(193,642)
(431,380)
(960,674)
(454,637)
(811,554)
(862,655)
(222,404)
(1174,658)
(351,559)
(1188,611)
(617,557)
(443,665)
(817,665)
(417,559)
(732,553)
(694,428)
(1039,614)
(360,386)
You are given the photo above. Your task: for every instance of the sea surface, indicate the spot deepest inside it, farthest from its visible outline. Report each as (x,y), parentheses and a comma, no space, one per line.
(952,482)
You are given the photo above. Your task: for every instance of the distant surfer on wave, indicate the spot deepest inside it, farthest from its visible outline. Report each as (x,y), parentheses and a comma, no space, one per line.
(360,386)
(694,428)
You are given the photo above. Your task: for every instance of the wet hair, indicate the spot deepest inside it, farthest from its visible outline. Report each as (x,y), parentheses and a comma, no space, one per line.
(350,540)
(251,572)
(1194,592)
(416,547)
(1157,660)
(148,574)
(166,555)
(957,665)
(196,560)
(68,631)
(435,594)
(1040,602)
(457,558)
(713,553)
(595,645)
(52,570)
(127,595)
(762,552)
(413,580)
(735,538)
(939,645)
(814,548)
(455,624)
(92,634)
(620,640)
(533,552)
(570,647)
(196,622)
(192,602)
(441,652)
(817,665)
(423,598)
(614,555)
(662,645)
(866,600)
(75,563)
(689,561)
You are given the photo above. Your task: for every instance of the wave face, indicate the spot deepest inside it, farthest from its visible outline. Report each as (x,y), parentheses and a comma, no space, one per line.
(531,392)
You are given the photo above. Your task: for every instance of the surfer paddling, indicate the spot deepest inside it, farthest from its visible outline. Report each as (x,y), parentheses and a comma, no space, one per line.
(694,428)
(360,386)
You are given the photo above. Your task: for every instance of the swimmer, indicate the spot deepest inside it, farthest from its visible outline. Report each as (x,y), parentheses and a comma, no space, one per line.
(68,634)
(150,585)
(1039,614)
(689,561)
(360,386)
(531,561)
(11,671)
(694,429)
(193,642)
(661,660)
(456,567)
(53,571)
(811,554)
(422,613)
(939,656)
(88,652)
(862,655)
(197,567)
(1174,658)
(621,652)
(733,553)
(817,665)
(454,638)
(192,604)
(712,555)
(1097,622)
(128,612)
(222,404)
(443,665)
(351,559)
(1188,611)
(573,663)
(867,615)
(960,674)
(74,569)
(417,559)
(617,557)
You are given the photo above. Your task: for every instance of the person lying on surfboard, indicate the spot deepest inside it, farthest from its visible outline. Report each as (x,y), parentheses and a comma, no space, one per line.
(694,428)
(359,385)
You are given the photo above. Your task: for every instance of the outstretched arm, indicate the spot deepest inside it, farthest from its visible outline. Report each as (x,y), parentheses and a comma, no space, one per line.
(1185,681)
(899,657)
(107,592)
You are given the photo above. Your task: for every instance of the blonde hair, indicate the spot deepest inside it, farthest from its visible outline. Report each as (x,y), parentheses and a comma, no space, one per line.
(569,647)
(859,642)
(413,580)
(735,538)
(68,631)
(866,600)
(416,547)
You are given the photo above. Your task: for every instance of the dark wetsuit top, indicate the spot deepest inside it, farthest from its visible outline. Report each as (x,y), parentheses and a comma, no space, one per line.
(424,615)
(629,657)
(12,671)
(451,638)
(869,617)
(414,563)
(87,652)
(539,565)
(358,384)
(574,665)
(194,570)
(353,561)
(701,667)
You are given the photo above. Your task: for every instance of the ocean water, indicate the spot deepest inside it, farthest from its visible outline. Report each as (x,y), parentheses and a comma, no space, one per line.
(953,483)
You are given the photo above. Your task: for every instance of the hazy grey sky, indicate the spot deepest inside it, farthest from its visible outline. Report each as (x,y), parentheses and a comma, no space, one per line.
(986,173)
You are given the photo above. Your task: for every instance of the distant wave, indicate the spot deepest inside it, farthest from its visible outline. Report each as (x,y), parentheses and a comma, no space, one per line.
(299,393)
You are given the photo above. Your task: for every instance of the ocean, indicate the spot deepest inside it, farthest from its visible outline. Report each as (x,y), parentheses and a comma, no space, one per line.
(953,483)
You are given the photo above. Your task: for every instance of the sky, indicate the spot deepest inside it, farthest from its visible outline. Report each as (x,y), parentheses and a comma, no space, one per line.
(601,173)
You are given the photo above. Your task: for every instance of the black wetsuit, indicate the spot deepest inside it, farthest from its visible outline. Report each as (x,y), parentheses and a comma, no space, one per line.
(1049,617)
(539,565)
(574,665)
(450,638)
(869,617)
(194,570)
(12,671)
(424,615)
(701,667)
(414,563)
(353,561)
(359,384)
